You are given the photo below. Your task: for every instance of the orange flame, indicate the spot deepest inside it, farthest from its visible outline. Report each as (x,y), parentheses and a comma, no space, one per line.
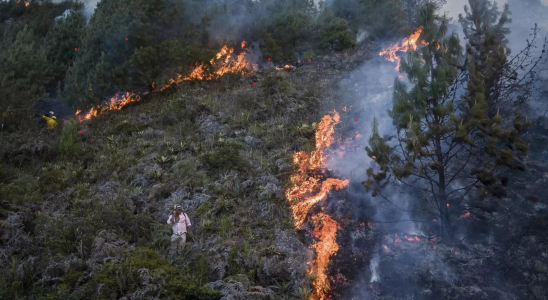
(466,215)
(226,64)
(412,239)
(326,232)
(308,188)
(223,63)
(406,45)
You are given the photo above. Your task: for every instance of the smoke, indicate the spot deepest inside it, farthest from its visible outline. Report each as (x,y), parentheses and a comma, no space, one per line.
(368,90)
(89,6)
(374,265)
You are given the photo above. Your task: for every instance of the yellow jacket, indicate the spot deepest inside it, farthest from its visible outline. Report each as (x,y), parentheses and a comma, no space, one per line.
(52,122)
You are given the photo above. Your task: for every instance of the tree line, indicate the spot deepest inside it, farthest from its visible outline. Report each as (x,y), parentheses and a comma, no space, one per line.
(52,50)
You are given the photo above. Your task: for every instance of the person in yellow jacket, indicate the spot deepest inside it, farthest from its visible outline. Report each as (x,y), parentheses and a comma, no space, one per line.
(51,120)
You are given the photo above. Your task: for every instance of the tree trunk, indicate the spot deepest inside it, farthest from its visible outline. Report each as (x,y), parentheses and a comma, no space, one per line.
(442,196)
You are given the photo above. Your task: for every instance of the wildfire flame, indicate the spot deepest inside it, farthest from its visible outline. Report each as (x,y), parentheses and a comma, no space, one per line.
(465,215)
(326,232)
(223,63)
(308,187)
(406,45)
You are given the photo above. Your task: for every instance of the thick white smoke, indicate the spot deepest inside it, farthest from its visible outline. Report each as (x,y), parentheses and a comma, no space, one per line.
(89,6)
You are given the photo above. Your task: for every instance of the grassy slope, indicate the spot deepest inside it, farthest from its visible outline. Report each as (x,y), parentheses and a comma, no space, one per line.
(88,200)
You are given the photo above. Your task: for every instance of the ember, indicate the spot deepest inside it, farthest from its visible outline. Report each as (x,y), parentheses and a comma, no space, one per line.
(286,67)
(412,239)
(465,215)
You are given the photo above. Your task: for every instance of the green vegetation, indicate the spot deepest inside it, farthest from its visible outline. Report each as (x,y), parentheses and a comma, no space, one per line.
(48,50)
(451,144)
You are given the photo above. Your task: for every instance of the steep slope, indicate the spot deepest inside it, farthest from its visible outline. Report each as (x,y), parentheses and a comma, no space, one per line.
(84,208)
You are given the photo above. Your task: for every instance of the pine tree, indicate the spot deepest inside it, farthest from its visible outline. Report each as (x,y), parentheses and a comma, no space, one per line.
(24,72)
(485,28)
(445,144)
(60,42)
(335,32)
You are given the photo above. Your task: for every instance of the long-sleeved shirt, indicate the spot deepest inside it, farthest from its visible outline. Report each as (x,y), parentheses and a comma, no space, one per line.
(52,122)
(180,227)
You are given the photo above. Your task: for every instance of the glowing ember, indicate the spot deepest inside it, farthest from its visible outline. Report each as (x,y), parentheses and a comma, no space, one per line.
(27,3)
(407,44)
(286,67)
(222,63)
(466,215)
(412,239)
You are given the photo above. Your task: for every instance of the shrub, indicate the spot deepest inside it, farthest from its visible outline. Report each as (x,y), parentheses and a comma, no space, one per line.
(68,145)
(309,54)
(52,180)
(119,278)
(225,156)
(275,83)
(225,227)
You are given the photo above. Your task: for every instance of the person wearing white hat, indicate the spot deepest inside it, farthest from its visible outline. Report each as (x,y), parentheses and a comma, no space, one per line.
(180,224)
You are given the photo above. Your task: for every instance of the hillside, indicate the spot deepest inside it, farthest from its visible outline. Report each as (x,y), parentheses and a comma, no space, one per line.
(93,197)
(346,149)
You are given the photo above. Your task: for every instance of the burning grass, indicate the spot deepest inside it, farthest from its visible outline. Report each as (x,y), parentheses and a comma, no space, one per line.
(223,63)
(309,187)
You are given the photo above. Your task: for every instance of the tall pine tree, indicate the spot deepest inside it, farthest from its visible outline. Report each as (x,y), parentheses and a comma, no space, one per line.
(445,144)
(485,28)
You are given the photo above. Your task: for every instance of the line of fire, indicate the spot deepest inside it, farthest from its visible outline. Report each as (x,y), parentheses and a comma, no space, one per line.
(313,184)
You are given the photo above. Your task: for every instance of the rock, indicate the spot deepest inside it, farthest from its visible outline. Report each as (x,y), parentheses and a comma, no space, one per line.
(107,244)
(253,142)
(151,133)
(195,202)
(267,179)
(34,147)
(210,125)
(283,165)
(269,191)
